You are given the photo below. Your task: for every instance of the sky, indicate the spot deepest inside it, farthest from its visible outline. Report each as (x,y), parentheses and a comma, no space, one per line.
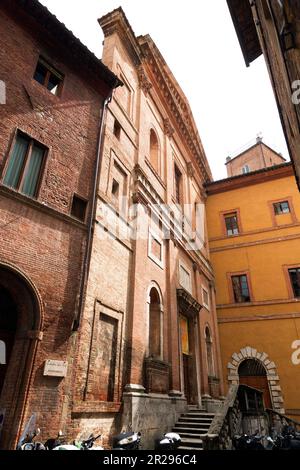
(231,103)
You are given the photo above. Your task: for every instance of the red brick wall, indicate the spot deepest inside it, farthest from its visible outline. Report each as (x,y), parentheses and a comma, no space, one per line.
(39,237)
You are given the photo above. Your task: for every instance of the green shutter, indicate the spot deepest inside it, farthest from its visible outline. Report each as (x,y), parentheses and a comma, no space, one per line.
(16,162)
(33,170)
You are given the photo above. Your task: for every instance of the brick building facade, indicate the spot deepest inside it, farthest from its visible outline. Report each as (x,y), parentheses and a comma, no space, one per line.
(255,156)
(148,343)
(55,94)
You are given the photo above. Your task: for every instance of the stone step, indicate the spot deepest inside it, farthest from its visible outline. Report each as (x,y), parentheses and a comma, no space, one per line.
(193,418)
(182,431)
(188,424)
(189,448)
(191,442)
(198,416)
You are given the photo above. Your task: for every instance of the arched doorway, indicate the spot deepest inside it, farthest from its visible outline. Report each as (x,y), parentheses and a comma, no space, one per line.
(20,331)
(252,373)
(8,327)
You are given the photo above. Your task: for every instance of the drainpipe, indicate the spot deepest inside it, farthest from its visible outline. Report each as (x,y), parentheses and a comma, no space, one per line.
(87,255)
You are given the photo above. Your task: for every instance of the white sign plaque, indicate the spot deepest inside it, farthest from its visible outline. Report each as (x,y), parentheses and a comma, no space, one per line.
(55,368)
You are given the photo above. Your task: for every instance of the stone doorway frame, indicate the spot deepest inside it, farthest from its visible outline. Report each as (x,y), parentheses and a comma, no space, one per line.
(271,371)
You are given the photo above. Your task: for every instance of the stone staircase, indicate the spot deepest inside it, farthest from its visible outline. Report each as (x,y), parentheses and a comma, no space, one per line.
(191,426)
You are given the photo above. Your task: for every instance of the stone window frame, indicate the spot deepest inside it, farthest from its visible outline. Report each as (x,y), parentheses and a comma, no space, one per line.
(122,75)
(115,160)
(181,264)
(102,308)
(270,367)
(229,276)
(274,217)
(153,234)
(206,289)
(287,278)
(222,215)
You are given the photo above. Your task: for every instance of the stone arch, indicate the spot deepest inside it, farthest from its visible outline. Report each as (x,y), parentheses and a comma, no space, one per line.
(28,309)
(271,372)
(155,320)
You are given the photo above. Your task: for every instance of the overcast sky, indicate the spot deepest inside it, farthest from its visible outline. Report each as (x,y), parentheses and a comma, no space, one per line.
(231,103)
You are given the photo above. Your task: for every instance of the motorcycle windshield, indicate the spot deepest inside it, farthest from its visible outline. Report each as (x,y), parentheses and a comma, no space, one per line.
(28,430)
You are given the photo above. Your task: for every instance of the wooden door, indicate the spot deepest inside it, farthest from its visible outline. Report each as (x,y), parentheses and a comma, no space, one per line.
(260,383)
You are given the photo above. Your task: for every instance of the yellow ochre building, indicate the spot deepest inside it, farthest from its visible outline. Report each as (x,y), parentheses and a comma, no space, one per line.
(253,219)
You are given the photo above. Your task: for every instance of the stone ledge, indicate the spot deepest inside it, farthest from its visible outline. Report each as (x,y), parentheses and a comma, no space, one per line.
(96,407)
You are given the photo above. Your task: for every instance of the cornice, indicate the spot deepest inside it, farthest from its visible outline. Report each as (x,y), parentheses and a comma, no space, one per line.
(249,179)
(116,22)
(176,102)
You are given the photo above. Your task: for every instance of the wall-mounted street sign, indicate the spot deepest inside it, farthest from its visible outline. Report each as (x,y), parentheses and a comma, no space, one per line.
(55,368)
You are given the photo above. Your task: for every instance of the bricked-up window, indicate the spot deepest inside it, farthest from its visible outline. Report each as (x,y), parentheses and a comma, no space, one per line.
(25,165)
(231,222)
(78,209)
(107,358)
(178,185)
(240,288)
(48,76)
(185,278)
(295,280)
(281,207)
(205,297)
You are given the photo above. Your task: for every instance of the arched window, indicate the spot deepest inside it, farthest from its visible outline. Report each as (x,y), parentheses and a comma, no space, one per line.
(155,324)
(154,151)
(209,353)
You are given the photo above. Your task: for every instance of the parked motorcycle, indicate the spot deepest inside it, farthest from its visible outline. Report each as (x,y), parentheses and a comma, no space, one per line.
(87,444)
(27,440)
(169,441)
(127,441)
(249,442)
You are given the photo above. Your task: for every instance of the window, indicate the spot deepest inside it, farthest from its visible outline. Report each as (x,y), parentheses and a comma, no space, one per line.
(154,151)
(115,189)
(117,129)
(155,248)
(25,165)
(185,278)
(79,208)
(281,208)
(178,185)
(240,288)
(205,298)
(295,280)
(246,169)
(47,76)
(231,222)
